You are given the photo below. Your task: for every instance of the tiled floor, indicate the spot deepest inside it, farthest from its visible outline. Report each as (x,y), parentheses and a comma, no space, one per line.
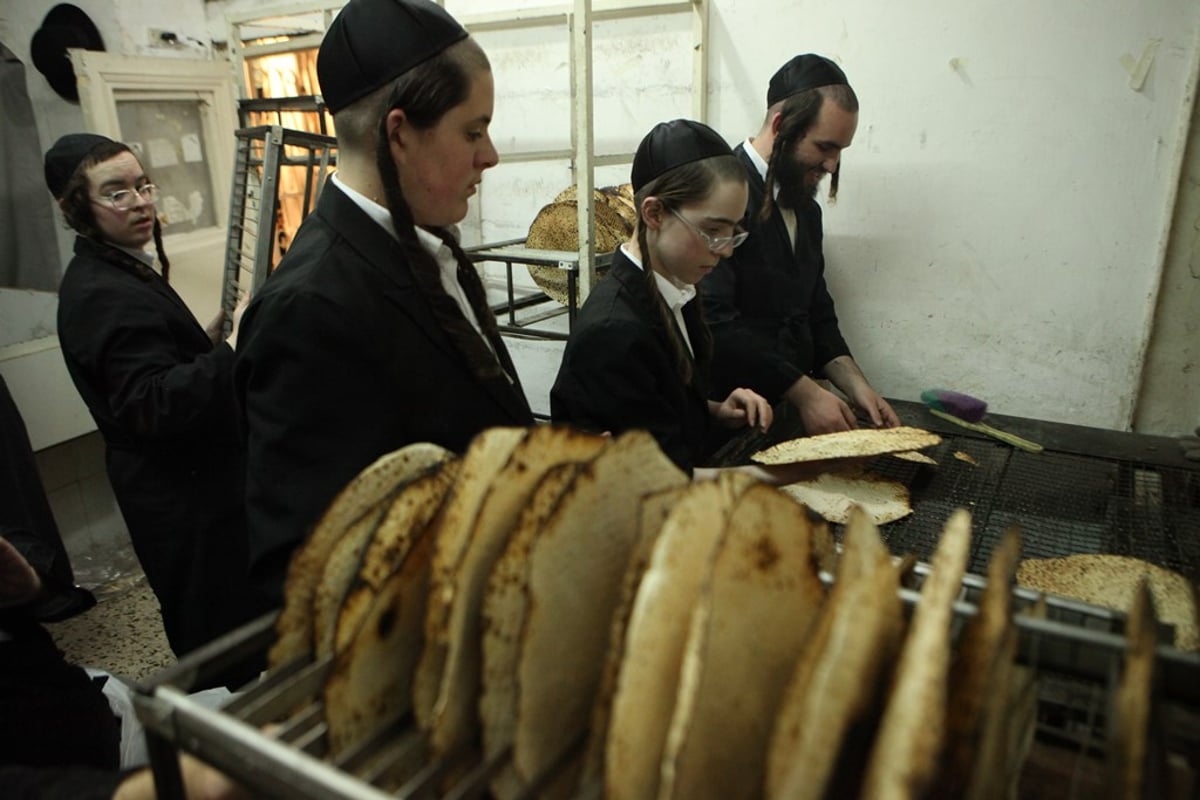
(123,634)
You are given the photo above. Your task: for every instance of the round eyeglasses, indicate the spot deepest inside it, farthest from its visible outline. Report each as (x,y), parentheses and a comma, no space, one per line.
(715,243)
(125,199)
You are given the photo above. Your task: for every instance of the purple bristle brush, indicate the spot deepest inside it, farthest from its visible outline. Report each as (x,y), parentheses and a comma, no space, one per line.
(967,411)
(963,406)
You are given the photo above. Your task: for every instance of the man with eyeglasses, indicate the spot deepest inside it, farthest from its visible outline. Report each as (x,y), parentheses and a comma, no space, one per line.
(126,199)
(160,388)
(773,320)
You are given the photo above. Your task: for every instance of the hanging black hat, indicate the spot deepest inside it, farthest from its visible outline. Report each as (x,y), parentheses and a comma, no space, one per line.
(672,144)
(373,42)
(804,72)
(65,26)
(65,157)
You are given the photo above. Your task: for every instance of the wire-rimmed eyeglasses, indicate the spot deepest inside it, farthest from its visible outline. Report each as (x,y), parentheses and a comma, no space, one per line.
(715,243)
(125,199)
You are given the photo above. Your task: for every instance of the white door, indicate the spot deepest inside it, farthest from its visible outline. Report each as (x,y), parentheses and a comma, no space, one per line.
(179,115)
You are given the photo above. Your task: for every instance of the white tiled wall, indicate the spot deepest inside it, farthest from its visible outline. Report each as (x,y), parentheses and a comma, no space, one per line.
(85,510)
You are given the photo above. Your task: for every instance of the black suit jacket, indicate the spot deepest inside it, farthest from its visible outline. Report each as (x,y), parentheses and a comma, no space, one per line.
(162,396)
(772,318)
(340,361)
(617,373)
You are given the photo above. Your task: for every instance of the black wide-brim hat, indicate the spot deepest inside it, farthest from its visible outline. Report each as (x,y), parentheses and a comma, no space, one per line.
(65,26)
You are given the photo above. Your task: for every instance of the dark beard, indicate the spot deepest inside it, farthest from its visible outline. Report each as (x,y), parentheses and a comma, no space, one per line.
(790,174)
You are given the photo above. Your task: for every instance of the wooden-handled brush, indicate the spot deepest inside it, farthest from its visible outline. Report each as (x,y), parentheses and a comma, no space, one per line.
(967,411)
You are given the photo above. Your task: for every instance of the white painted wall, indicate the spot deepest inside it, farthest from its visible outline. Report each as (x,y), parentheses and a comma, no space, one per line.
(1003,212)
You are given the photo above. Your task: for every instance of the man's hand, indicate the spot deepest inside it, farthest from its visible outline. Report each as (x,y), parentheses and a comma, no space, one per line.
(821,410)
(238,312)
(19,583)
(214,328)
(743,407)
(844,373)
(871,403)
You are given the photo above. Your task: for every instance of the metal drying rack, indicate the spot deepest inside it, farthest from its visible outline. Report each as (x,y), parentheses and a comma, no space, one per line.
(514,251)
(1075,642)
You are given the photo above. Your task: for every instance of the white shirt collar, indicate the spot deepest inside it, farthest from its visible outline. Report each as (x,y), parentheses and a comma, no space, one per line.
(141,255)
(383,217)
(788,214)
(380,214)
(676,295)
(755,158)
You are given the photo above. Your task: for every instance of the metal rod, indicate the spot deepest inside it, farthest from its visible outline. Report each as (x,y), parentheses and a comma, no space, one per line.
(475,784)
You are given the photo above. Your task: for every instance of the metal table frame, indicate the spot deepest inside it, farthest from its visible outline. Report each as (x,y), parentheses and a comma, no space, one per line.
(512,252)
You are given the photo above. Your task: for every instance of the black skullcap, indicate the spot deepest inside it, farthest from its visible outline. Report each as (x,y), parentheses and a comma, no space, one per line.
(373,42)
(672,144)
(65,157)
(804,72)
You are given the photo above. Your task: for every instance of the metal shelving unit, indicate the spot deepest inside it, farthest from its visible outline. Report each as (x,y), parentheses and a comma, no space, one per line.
(261,157)
(513,252)
(253,113)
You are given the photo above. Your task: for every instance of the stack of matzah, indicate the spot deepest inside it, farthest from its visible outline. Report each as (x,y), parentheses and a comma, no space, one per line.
(556,227)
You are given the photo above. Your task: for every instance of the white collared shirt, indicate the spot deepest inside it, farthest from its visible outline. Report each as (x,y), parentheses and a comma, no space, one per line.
(150,260)
(676,296)
(788,214)
(447,263)
(140,255)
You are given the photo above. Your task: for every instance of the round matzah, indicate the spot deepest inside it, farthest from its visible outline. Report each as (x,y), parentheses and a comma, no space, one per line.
(618,198)
(1110,581)
(556,227)
(833,496)
(847,444)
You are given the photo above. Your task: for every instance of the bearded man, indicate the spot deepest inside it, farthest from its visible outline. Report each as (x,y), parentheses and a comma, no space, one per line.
(773,321)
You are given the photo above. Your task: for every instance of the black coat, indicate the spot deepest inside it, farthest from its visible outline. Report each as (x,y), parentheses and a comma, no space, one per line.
(162,397)
(28,524)
(617,373)
(771,316)
(339,361)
